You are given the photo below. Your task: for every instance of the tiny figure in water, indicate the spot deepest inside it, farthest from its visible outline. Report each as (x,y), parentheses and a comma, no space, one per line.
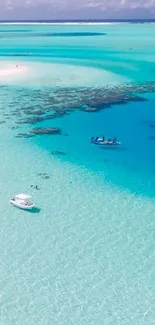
(16,66)
(36,187)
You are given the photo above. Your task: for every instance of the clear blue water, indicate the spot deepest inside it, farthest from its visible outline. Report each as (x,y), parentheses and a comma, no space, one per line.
(126,165)
(86,256)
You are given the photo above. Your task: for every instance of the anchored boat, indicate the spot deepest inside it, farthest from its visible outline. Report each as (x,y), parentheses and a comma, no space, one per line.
(101,141)
(22,201)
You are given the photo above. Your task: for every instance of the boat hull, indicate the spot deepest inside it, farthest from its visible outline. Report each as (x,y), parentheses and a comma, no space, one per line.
(106,143)
(23,207)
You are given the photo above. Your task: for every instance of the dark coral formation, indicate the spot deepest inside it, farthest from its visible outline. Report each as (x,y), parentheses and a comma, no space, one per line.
(41,131)
(14,127)
(43,175)
(61,153)
(25,135)
(56,102)
(89,109)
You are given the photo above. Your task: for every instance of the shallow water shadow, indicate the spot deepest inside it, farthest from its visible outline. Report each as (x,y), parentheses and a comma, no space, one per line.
(69,34)
(116,148)
(15,31)
(152,126)
(147,122)
(34,210)
(152,137)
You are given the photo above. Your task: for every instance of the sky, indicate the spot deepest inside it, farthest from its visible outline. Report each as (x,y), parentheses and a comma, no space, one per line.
(76,9)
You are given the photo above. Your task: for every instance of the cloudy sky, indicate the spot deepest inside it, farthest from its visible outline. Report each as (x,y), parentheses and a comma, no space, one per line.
(76,9)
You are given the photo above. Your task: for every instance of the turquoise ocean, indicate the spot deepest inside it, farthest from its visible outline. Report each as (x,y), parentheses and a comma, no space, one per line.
(86,254)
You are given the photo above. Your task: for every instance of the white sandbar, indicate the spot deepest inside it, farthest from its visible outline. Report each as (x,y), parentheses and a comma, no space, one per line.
(12,70)
(55,74)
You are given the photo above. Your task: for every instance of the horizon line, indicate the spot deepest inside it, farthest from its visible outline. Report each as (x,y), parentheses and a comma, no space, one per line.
(79,20)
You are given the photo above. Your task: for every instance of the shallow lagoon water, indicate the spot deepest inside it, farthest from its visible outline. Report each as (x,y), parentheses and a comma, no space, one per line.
(87,257)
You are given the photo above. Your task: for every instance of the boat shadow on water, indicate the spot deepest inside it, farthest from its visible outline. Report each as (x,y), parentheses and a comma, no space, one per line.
(35,210)
(113,148)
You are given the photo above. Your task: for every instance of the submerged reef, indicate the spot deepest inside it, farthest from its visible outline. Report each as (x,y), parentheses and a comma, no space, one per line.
(59,153)
(33,106)
(24,135)
(43,175)
(42,131)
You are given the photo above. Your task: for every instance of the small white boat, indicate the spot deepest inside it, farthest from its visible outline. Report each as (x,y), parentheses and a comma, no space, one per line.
(99,141)
(22,201)
(110,143)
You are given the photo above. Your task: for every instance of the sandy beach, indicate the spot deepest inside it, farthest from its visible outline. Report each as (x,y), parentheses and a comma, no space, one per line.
(7,70)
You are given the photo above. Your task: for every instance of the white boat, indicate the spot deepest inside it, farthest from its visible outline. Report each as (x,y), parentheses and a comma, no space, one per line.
(110,143)
(99,141)
(22,201)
